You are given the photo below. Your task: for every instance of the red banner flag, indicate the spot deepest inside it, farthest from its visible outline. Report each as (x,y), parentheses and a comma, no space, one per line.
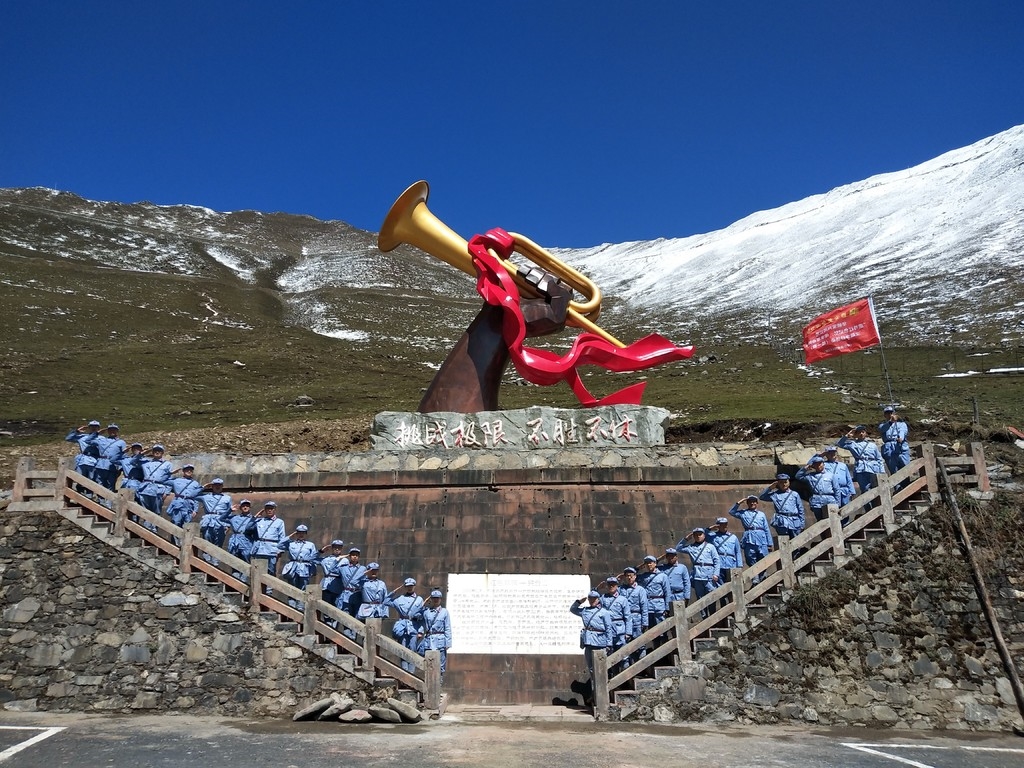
(841,331)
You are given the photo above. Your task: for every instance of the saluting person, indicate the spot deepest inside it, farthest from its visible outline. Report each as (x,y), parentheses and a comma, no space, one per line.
(242,526)
(705,576)
(757,535)
(112,449)
(303,557)
(408,606)
(86,438)
(788,519)
(269,534)
(598,631)
(867,459)
(434,629)
(184,493)
(156,473)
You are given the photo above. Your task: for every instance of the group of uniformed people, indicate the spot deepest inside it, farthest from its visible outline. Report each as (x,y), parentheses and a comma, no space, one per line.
(623,607)
(423,624)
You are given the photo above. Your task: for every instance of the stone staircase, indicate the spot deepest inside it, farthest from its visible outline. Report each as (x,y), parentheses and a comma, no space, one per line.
(40,496)
(730,631)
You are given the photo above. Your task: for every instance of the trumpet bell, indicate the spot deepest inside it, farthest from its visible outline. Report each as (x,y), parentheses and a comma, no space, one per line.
(410,221)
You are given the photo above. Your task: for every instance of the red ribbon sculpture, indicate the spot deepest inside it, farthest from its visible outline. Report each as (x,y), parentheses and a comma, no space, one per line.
(539,366)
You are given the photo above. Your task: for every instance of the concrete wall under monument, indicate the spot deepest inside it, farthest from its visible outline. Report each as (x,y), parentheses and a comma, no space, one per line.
(560,513)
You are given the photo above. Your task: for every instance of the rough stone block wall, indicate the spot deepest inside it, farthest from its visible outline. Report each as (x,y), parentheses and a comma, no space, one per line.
(895,640)
(87,629)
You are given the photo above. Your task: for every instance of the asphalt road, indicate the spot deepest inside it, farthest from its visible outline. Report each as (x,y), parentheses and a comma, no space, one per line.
(40,740)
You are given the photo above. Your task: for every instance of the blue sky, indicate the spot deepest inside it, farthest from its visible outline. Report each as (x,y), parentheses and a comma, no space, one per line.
(575,123)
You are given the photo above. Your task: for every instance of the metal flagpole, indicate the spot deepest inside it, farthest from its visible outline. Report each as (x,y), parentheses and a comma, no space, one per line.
(881,348)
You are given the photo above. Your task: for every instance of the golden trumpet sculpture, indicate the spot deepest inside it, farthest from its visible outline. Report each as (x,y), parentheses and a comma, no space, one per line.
(410,221)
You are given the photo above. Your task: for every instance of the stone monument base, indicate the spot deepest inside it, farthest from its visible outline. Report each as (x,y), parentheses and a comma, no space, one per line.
(527,429)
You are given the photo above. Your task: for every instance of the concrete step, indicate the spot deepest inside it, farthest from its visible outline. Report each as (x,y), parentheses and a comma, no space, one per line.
(661,672)
(626,699)
(646,684)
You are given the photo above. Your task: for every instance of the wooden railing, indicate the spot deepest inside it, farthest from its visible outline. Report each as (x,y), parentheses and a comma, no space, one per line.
(825,539)
(377,653)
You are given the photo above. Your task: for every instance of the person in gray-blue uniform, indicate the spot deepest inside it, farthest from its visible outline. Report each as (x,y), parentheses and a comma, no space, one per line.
(112,449)
(86,438)
(131,467)
(841,473)
(303,557)
(757,539)
(618,606)
(656,585)
(351,574)
(407,605)
(242,528)
(598,631)
(678,576)
(706,570)
(213,524)
(639,607)
(823,486)
(216,518)
(895,444)
(434,629)
(185,491)
(331,563)
(867,459)
(730,553)
(269,535)
(373,596)
(788,519)
(156,473)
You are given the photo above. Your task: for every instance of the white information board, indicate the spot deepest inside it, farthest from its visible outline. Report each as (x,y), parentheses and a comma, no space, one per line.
(515,613)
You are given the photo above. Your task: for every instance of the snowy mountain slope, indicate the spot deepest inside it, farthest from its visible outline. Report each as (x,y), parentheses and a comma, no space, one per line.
(940,246)
(946,234)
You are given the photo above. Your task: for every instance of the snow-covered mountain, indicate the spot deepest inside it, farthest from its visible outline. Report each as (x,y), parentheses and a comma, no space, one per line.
(940,246)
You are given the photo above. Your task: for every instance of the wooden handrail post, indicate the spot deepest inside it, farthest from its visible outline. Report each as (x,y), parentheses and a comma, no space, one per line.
(124,497)
(682,628)
(432,679)
(256,572)
(978,454)
(739,597)
(61,483)
(600,683)
(786,562)
(26,464)
(370,645)
(313,596)
(191,530)
(928,454)
(888,516)
(835,526)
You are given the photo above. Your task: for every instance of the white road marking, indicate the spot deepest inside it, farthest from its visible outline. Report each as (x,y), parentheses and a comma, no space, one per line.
(875,749)
(11,751)
(867,748)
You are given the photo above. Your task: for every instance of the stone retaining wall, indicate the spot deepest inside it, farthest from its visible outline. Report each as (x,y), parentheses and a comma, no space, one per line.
(895,640)
(87,629)
(718,455)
